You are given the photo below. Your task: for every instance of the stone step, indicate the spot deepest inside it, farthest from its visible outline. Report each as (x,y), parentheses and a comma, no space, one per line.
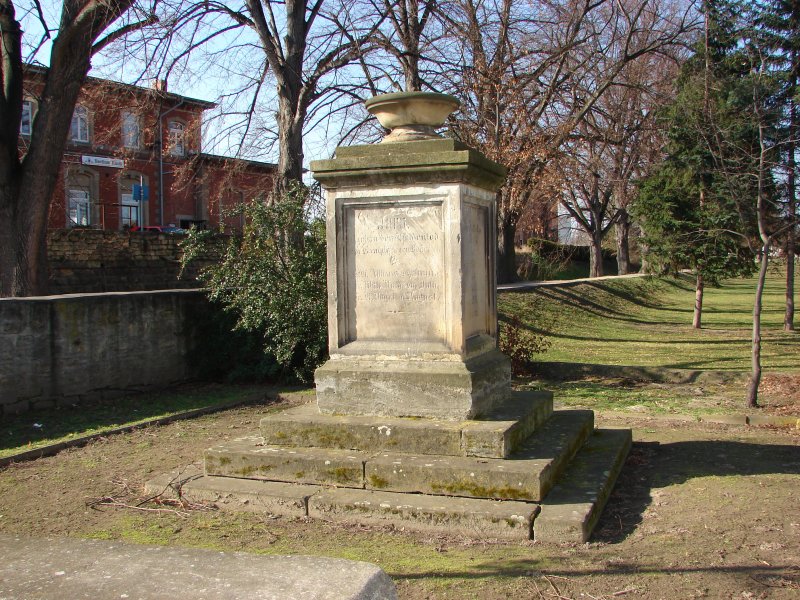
(473,517)
(227,493)
(466,516)
(573,507)
(526,475)
(568,513)
(495,436)
(249,458)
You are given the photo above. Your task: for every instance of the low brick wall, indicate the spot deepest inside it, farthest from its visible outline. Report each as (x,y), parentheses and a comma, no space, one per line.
(90,260)
(66,349)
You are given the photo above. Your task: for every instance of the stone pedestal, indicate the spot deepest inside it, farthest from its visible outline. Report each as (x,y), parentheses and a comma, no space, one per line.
(413,333)
(412,310)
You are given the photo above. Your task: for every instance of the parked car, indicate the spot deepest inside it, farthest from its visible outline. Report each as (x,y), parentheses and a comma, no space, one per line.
(158,229)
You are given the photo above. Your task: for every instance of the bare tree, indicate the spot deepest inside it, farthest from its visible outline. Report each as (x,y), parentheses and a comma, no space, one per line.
(615,145)
(298,58)
(404,40)
(529,73)
(589,185)
(28,177)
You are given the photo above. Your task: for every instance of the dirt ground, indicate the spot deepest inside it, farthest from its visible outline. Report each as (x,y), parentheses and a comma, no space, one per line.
(700,511)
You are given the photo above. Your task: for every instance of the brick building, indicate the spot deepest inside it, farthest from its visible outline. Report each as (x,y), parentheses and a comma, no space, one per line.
(134,158)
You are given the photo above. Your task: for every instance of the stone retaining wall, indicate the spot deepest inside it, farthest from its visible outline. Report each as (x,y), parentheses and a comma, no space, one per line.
(91,260)
(66,349)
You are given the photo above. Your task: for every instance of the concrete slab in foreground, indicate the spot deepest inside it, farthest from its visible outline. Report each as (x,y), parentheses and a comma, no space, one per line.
(55,569)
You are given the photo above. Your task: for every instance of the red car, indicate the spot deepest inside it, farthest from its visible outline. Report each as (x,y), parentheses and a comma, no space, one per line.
(158,229)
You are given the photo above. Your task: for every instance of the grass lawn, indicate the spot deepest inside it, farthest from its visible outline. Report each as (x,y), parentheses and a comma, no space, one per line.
(38,428)
(647,322)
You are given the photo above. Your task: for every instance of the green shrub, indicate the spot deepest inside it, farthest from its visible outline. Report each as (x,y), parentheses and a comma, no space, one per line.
(549,260)
(220,352)
(272,279)
(520,344)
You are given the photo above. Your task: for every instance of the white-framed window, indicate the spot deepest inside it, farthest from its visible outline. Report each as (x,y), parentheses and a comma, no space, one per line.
(80,208)
(129,211)
(26,123)
(177,138)
(79,131)
(131,130)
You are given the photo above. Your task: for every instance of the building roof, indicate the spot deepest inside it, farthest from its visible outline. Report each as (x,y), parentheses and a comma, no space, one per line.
(250,163)
(136,89)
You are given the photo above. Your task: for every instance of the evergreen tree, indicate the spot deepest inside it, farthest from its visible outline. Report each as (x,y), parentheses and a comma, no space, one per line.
(691,215)
(780,31)
(726,142)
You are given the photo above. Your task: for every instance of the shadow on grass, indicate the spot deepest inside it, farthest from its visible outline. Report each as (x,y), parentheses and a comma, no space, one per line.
(654,465)
(40,427)
(570,299)
(644,339)
(761,573)
(684,283)
(636,299)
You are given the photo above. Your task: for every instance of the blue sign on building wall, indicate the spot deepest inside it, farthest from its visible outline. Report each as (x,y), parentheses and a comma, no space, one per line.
(141,192)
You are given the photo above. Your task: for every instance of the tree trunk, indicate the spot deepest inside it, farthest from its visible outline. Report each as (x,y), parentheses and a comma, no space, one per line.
(788,317)
(27,187)
(10,168)
(699,288)
(293,95)
(292,105)
(8,231)
(791,238)
(623,228)
(645,264)
(755,353)
(506,251)
(23,239)
(596,257)
(290,147)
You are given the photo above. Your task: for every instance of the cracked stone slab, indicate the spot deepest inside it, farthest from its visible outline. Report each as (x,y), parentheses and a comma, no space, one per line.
(55,568)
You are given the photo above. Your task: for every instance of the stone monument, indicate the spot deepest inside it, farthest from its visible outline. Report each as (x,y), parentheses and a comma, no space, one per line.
(415,422)
(412,310)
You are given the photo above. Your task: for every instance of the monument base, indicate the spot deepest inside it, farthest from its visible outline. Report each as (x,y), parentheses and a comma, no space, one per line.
(453,390)
(525,472)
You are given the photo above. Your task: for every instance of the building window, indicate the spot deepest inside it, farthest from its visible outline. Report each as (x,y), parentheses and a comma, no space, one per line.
(131,130)
(26,123)
(134,193)
(177,138)
(129,211)
(80,208)
(79,131)
(81,187)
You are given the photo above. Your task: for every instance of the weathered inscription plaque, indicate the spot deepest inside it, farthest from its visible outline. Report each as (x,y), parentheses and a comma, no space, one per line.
(395,268)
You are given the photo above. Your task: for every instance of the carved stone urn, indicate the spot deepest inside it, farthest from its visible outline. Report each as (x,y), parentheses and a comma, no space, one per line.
(411,116)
